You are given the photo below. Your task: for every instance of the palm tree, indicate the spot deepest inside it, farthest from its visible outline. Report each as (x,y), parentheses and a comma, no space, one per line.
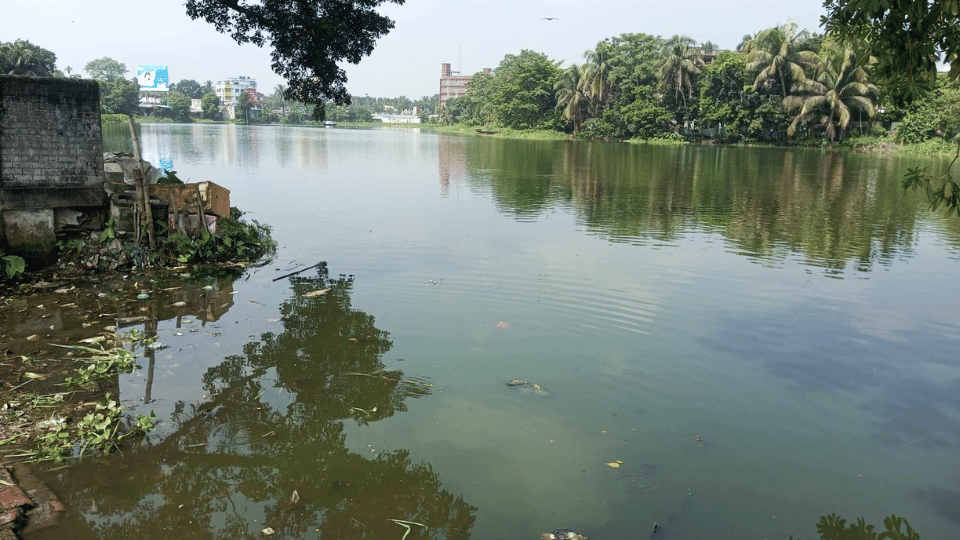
(572,99)
(278,96)
(747,38)
(775,55)
(841,84)
(595,76)
(679,62)
(20,59)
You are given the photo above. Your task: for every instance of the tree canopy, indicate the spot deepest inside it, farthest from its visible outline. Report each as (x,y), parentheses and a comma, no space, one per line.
(908,39)
(105,69)
(24,58)
(308,37)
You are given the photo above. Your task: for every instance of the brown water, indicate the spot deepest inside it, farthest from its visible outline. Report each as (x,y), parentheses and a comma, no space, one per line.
(761,336)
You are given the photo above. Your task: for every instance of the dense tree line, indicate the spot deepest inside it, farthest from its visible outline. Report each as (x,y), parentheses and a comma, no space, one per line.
(781,83)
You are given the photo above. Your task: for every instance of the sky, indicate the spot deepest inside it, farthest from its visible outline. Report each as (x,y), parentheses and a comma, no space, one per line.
(469,34)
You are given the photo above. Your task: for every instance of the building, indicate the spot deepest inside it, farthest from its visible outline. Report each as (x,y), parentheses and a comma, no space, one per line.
(228,90)
(453,86)
(387,118)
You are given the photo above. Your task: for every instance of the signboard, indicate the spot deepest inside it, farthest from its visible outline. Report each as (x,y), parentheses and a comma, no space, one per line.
(153,78)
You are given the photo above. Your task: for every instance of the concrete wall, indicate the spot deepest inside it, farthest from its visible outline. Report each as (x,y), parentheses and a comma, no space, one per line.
(51,152)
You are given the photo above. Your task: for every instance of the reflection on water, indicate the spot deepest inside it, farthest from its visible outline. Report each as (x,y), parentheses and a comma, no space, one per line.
(678,304)
(268,449)
(831,208)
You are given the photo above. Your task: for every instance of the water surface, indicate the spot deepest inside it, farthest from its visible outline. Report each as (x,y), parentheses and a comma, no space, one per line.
(760,336)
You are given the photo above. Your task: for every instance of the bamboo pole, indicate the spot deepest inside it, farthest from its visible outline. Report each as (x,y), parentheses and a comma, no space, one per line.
(143,196)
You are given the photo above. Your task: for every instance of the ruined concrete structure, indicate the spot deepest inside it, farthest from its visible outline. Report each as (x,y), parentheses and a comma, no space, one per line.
(51,158)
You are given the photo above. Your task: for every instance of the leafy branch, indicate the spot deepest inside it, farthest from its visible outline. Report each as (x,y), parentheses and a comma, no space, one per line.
(946,195)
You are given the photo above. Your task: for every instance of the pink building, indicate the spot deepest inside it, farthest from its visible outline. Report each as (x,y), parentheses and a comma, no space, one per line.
(453,86)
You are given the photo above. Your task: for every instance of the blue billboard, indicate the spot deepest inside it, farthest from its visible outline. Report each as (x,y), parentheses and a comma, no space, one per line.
(153,78)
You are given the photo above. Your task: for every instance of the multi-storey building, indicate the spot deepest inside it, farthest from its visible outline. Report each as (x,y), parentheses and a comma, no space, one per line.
(453,86)
(228,90)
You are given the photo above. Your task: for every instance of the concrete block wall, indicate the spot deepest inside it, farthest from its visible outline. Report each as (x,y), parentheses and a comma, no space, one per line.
(50,133)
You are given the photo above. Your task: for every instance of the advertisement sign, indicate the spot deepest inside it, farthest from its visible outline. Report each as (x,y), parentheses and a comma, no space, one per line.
(153,78)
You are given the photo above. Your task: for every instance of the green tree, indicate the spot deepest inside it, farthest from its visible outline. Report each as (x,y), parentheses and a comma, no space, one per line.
(595,77)
(208,88)
(24,58)
(210,104)
(189,87)
(572,100)
(722,90)
(777,58)
(909,40)
(634,109)
(308,37)
(243,106)
(179,104)
(105,69)
(522,90)
(280,98)
(840,85)
(120,96)
(679,64)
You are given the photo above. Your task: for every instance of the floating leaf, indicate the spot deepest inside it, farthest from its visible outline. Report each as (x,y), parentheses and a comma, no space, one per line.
(268,531)
(614,464)
(30,375)
(179,304)
(276,319)
(33,337)
(315,294)
(294,497)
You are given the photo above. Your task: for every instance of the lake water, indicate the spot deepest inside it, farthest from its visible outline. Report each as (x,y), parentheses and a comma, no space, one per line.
(756,337)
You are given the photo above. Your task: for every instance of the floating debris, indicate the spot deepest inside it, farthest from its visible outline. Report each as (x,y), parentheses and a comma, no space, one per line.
(315,294)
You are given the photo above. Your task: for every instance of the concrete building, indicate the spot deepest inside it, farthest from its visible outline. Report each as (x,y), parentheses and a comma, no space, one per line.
(51,162)
(453,86)
(228,90)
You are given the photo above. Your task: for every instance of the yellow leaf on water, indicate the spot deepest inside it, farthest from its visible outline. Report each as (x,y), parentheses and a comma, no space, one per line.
(613,464)
(315,294)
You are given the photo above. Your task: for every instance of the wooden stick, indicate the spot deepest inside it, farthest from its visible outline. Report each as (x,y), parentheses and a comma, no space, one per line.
(297,272)
(143,198)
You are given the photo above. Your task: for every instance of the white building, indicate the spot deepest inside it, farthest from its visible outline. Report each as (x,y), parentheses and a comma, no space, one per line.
(396,118)
(228,90)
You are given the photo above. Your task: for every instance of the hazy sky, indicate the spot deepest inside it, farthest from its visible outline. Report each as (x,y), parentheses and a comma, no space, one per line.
(470,33)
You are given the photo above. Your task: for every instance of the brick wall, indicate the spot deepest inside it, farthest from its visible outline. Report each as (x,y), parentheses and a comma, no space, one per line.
(49,133)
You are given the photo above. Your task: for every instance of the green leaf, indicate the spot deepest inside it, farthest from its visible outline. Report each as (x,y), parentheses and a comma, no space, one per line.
(14,265)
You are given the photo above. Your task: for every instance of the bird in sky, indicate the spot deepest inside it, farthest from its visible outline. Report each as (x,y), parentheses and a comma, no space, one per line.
(549,18)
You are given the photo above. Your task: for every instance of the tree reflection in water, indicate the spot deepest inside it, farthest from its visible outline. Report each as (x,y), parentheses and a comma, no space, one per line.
(275,426)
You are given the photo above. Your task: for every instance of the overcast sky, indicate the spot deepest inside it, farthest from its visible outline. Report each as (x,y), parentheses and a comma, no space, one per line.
(472,34)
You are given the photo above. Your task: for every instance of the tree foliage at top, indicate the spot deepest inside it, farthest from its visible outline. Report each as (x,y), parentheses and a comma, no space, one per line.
(908,39)
(839,86)
(680,61)
(105,69)
(308,38)
(522,90)
(778,57)
(189,87)
(24,58)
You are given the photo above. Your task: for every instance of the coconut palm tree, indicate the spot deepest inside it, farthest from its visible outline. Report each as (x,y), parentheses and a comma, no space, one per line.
(20,59)
(279,92)
(775,56)
(747,38)
(572,99)
(679,62)
(840,85)
(595,76)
